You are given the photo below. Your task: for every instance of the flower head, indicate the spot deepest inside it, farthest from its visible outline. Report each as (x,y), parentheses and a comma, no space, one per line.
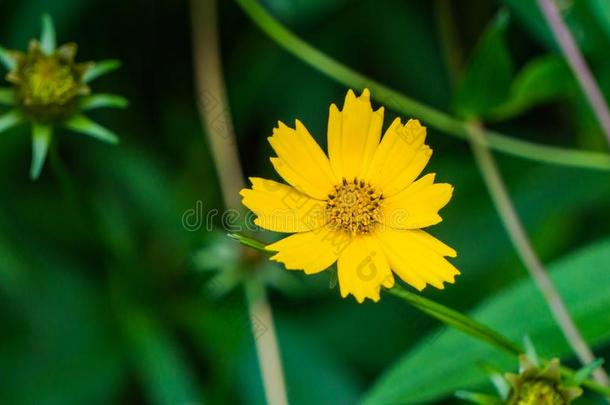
(49,88)
(535,384)
(539,386)
(361,206)
(47,85)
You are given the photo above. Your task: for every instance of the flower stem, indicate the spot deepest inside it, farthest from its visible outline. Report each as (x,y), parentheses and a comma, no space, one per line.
(530,259)
(477,330)
(577,63)
(213,108)
(408,106)
(451,318)
(457,320)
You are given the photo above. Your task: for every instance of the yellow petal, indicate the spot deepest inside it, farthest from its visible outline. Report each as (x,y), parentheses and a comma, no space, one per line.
(282,208)
(417,205)
(362,269)
(311,251)
(400,157)
(353,135)
(417,257)
(301,161)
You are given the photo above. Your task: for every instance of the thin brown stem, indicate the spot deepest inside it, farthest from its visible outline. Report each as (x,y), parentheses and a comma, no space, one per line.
(518,236)
(577,63)
(214,111)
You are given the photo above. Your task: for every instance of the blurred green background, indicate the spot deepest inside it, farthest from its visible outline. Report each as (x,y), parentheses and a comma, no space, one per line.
(105,297)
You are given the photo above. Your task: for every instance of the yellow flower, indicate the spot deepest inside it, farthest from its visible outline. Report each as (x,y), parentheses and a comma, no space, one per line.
(361,206)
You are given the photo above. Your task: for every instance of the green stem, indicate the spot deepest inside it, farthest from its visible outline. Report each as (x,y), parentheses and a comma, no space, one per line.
(400,102)
(220,135)
(518,236)
(449,317)
(456,319)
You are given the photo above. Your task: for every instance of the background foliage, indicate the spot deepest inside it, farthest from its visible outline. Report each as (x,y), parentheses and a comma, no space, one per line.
(105,297)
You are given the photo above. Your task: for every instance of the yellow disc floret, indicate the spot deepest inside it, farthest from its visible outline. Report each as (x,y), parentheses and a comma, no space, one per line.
(48,82)
(354,207)
(539,392)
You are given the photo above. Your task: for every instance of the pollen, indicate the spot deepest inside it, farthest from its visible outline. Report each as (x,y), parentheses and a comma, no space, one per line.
(354,207)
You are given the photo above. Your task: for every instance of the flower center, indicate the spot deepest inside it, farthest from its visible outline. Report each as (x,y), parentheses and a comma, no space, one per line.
(354,207)
(539,392)
(47,81)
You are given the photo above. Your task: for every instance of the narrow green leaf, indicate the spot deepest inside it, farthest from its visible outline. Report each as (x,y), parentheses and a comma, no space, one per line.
(489,73)
(10,119)
(163,370)
(247,241)
(542,80)
(47,37)
(7,96)
(84,125)
(41,139)
(94,101)
(441,364)
(101,68)
(6,59)
(576,15)
(601,10)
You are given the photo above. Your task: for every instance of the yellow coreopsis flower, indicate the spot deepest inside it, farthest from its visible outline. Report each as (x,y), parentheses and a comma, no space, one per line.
(361,206)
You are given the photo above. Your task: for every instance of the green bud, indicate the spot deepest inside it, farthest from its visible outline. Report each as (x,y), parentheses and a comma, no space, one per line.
(540,386)
(46,85)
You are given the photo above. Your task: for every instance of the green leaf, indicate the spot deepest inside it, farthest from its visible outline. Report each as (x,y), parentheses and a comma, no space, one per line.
(101,68)
(163,370)
(314,374)
(443,363)
(84,125)
(10,119)
(489,73)
(58,333)
(7,96)
(47,37)
(542,80)
(577,16)
(41,139)
(6,59)
(94,101)
(601,11)
(477,398)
